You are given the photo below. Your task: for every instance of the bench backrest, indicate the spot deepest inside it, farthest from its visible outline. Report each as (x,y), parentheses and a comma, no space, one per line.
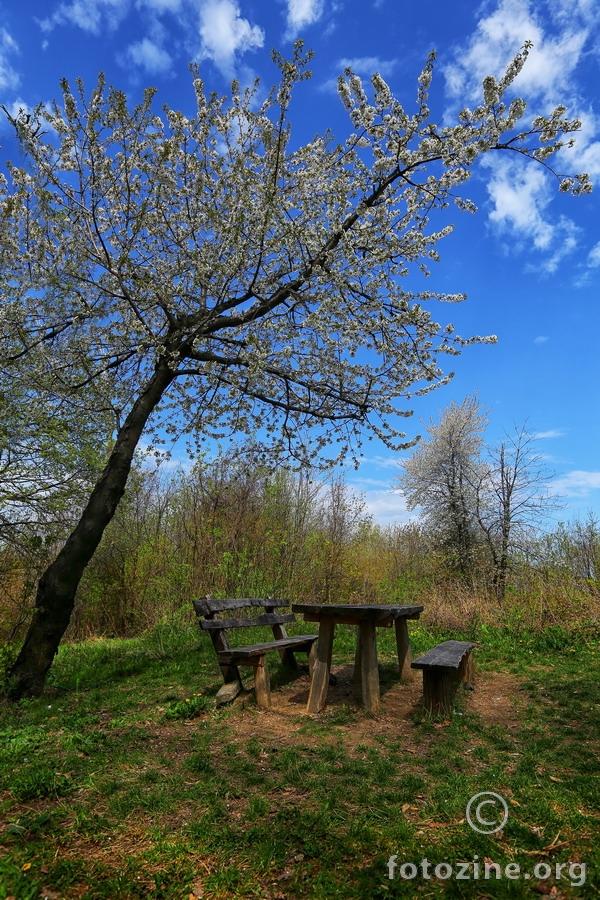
(209,611)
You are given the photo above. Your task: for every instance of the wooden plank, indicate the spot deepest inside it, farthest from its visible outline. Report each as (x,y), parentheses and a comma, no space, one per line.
(254,621)
(447,655)
(369,668)
(298,642)
(351,614)
(356,608)
(206,605)
(404,651)
(347,619)
(321,668)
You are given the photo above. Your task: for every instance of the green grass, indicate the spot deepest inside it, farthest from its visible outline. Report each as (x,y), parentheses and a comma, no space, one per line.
(126,782)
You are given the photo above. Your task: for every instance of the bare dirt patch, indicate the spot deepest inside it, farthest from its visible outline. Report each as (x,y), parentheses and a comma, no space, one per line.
(497,698)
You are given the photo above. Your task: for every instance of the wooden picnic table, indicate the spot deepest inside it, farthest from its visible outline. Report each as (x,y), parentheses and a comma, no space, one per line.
(367,617)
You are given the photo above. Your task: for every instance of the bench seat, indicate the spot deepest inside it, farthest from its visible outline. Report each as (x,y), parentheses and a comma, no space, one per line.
(444,668)
(297,642)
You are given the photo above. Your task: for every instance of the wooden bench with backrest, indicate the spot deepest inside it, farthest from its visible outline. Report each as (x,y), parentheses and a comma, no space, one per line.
(209,613)
(444,668)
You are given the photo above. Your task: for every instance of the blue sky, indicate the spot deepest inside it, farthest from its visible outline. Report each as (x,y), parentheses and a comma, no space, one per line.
(529,261)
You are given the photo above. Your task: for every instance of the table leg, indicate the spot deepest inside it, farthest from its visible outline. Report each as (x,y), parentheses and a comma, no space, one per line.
(357,678)
(321,667)
(404,651)
(370,671)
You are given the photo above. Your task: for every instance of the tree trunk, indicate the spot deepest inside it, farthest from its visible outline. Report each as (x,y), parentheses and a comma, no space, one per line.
(58,585)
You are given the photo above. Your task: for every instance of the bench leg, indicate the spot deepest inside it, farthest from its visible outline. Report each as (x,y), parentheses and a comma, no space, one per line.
(439,689)
(404,651)
(466,671)
(369,666)
(262,685)
(287,656)
(288,659)
(321,668)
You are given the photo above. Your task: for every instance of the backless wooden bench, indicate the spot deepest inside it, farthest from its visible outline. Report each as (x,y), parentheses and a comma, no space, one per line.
(208,611)
(444,668)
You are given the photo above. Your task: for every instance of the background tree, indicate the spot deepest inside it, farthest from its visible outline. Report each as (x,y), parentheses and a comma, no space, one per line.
(475,498)
(49,461)
(441,479)
(512,500)
(571,551)
(201,274)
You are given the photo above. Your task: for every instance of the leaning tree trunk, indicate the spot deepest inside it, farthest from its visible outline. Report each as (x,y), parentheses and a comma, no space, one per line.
(58,585)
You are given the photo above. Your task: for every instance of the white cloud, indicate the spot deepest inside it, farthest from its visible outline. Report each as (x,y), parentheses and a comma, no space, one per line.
(149,56)
(578,483)
(387,507)
(519,197)
(562,35)
(302,13)
(9,77)
(593,259)
(383,462)
(540,339)
(89,15)
(152,458)
(18,107)
(498,36)
(225,34)
(565,239)
(584,156)
(547,435)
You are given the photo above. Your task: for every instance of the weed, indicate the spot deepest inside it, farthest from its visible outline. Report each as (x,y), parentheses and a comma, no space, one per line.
(189,708)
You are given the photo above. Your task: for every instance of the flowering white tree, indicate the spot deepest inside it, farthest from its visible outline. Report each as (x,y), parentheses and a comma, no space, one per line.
(443,476)
(208,272)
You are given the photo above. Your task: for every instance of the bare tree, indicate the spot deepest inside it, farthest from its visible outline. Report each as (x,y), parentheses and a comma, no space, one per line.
(199,274)
(512,499)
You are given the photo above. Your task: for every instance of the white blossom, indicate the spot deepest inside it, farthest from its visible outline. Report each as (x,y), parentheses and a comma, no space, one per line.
(269,280)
